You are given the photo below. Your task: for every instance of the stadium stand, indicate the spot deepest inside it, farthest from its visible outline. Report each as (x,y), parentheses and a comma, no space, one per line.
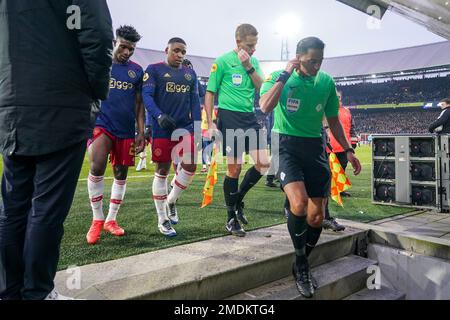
(396,91)
(394,121)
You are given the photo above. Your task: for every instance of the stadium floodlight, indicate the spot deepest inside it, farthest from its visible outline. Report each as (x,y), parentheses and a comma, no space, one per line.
(288,25)
(374,76)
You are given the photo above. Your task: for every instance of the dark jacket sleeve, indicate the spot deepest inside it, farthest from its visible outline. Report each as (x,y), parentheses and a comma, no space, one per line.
(96,43)
(442,120)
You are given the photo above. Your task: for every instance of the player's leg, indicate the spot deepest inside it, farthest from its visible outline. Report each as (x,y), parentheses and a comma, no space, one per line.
(206,153)
(159,189)
(117,195)
(315,217)
(231,194)
(317,181)
(122,157)
(142,164)
(330,222)
(293,163)
(251,178)
(187,154)
(256,146)
(98,152)
(161,157)
(298,227)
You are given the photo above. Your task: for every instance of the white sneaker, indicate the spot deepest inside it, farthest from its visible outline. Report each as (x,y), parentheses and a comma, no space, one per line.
(172,213)
(54,295)
(166,229)
(141,165)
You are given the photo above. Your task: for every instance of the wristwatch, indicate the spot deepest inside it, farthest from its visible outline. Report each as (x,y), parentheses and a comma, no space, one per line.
(350,150)
(251,70)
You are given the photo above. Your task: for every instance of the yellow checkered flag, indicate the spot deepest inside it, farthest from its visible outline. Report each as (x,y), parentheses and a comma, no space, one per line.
(339,181)
(211,180)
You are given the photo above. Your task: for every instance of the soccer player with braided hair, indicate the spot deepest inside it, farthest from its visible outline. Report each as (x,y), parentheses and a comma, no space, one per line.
(114,134)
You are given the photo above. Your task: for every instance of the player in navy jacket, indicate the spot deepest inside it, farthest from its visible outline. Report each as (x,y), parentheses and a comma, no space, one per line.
(170,94)
(114,134)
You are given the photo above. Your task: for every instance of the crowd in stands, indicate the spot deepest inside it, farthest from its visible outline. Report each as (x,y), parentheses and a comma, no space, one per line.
(403,120)
(394,121)
(396,91)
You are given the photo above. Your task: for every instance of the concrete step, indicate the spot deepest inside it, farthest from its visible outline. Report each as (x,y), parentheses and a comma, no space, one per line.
(211,269)
(383,293)
(337,280)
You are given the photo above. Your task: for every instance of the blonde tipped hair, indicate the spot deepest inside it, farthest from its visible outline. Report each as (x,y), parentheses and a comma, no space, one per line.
(245,30)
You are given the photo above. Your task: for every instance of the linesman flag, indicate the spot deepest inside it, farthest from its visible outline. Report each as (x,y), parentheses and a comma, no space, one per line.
(339,181)
(211,180)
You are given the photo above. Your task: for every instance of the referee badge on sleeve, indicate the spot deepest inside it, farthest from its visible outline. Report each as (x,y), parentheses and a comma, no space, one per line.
(292,105)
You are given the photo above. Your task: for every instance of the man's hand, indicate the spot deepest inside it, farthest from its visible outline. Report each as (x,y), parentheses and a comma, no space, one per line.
(139,142)
(292,65)
(355,163)
(212,130)
(166,122)
(244,57)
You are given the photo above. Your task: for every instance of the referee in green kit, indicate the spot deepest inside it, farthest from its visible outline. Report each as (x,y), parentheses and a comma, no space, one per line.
(301,95)
(235,76)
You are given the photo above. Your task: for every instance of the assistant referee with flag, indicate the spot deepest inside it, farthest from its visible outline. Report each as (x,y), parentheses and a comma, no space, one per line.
(301,95)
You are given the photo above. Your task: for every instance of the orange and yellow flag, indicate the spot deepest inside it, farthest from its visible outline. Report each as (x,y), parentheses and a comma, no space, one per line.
(339,181)
(211,180)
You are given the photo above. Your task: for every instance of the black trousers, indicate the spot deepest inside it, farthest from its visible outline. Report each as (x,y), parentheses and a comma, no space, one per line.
(37,194)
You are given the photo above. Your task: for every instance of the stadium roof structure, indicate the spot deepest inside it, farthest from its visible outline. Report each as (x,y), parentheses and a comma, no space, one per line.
(430,58)
(432,14)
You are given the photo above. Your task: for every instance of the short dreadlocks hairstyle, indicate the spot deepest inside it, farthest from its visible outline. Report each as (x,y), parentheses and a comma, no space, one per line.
(128,33)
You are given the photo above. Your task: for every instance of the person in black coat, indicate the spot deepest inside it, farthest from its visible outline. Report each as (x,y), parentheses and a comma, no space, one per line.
(442,123)
(55,63)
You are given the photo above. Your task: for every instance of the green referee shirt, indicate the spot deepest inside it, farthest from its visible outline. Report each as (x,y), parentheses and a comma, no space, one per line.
(303,103)
(235,87)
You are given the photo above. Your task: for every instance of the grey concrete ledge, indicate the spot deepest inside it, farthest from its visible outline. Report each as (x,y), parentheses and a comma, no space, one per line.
(210,269)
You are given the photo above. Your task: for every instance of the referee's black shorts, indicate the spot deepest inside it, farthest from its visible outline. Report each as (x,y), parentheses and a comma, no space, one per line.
(304,159)
(241,133)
